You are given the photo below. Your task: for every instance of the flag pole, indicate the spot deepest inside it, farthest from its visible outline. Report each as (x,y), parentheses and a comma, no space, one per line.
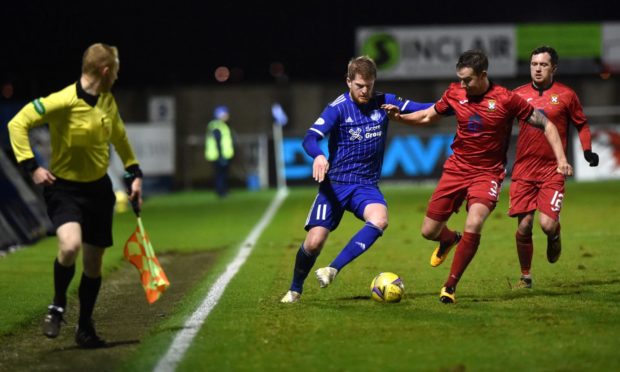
(135,205)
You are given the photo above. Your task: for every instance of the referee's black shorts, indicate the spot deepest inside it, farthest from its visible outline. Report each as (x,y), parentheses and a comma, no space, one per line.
(91,204)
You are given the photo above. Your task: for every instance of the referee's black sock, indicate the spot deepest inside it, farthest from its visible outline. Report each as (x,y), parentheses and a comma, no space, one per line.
(62,279)
(88,292)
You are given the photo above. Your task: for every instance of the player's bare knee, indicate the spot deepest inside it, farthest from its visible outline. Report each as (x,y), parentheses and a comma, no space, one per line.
(381,224)
(67,257)
(313,247)
(526,224)
(429,234)
(474,223)
(549,228)
(525,230)
(314,244)
(68,250)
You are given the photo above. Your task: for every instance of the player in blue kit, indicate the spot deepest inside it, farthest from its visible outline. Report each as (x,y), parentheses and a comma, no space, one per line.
(357,129)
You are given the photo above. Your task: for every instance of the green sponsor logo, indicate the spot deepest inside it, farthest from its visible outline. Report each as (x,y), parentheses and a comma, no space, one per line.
(383,49)
(38,106)
(571,40)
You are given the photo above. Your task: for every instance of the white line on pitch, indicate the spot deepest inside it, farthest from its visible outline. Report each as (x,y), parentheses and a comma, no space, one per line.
(184,338)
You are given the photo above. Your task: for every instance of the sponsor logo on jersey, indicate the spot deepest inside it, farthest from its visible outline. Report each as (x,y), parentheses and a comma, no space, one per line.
(474,124)
(375,115)
(555,99)
(355,134)
(373,131)
(529,99)
(38,106)
(463,101)
(348,120)
(319,121)
(491,105)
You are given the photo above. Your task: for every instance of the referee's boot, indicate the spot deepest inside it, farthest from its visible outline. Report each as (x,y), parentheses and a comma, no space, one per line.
(441,252)
(86,337)
(53,320)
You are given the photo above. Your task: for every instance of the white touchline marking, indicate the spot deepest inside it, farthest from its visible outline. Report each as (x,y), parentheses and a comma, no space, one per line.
(184,338)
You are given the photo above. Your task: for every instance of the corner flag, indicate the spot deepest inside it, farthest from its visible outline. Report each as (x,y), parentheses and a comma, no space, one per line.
(139,252)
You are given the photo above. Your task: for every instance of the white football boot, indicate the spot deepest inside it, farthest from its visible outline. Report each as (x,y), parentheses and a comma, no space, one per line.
(326,275)
(290,297)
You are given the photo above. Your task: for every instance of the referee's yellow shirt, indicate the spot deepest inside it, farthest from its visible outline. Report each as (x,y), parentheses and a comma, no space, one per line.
(80,134)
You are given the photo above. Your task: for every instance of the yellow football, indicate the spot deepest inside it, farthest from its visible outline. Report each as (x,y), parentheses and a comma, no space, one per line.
(387,287)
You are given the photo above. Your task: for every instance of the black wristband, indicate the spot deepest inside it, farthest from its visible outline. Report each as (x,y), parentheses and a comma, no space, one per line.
(135,170)
(30,165)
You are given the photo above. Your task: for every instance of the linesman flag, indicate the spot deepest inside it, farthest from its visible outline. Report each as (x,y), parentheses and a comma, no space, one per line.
(139,252)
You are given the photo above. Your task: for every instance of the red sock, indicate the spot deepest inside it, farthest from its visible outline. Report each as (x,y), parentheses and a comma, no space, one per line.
(525,250)
(446,236)
(465,252)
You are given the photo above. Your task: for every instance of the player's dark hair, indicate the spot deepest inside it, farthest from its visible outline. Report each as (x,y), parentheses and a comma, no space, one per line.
(547,49)
(475,59)
(363,66)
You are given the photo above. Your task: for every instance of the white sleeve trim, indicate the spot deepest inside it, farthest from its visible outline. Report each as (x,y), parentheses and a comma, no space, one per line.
(318,131)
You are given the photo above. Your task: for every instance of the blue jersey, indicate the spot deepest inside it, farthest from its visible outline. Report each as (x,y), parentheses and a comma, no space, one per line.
(357,135)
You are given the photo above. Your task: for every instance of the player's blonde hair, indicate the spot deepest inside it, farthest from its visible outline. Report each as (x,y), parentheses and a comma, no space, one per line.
(98,56)
(363,66)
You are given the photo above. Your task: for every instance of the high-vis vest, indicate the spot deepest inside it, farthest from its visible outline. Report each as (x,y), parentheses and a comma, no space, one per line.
(226,142)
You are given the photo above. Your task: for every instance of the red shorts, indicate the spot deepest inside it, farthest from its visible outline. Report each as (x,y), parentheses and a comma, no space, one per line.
(455,187)
(528,196)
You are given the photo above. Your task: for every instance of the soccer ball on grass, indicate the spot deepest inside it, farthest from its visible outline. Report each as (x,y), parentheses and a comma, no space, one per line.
(387,287)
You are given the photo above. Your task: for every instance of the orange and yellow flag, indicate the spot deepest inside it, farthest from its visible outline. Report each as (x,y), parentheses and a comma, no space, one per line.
(139,251)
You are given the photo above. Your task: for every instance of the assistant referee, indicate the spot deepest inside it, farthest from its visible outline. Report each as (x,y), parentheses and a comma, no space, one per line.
(83,121)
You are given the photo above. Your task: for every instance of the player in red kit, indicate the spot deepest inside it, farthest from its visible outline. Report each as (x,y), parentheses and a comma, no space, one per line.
(474,172)
(535,183)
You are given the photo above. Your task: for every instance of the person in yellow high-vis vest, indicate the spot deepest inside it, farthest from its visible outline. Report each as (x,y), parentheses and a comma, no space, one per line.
(219,148)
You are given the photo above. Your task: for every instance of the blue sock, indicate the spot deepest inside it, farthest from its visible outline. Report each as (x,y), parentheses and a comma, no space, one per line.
(360,242)
(303,263)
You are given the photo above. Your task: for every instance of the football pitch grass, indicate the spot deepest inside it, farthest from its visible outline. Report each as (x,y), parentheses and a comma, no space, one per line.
(569,321)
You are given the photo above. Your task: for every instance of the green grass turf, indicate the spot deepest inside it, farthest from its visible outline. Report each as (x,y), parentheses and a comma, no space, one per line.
(569,321)
(184,222)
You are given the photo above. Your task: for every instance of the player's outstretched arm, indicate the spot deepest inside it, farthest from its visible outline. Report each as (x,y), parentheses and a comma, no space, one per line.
(426,116)
(553,136)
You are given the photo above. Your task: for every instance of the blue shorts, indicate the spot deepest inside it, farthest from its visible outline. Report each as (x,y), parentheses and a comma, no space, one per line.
(333,199)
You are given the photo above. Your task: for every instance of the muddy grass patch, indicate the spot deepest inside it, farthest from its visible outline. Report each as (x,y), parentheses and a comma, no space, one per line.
(122,317)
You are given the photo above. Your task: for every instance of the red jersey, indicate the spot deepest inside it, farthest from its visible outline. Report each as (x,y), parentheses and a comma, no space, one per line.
(484,124)
(534,159)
